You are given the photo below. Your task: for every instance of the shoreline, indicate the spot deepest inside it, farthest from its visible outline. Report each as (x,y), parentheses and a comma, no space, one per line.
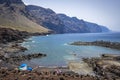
(10,45)
(100,66)
(106,67)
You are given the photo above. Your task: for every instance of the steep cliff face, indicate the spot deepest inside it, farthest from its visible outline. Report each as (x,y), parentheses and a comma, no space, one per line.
(13,14)
(95,28)
(46,18)
(74,25)
(61,23)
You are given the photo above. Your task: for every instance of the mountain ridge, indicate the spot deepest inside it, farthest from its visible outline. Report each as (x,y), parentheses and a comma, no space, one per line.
(16,15)
(46,17)
(13,14)
(61,23)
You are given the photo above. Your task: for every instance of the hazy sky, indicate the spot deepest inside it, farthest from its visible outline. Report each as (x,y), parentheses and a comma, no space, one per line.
(103,12)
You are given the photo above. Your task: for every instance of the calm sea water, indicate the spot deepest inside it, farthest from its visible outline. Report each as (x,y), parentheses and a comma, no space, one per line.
(59,52)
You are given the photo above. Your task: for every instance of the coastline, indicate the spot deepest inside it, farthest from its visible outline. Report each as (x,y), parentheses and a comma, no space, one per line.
(106,67)
(96,65)
(9,47)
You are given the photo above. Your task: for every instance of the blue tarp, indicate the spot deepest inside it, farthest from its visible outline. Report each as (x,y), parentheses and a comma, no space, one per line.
(25,67)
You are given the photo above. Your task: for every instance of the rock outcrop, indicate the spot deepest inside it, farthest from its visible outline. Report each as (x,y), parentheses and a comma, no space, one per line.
(10,35)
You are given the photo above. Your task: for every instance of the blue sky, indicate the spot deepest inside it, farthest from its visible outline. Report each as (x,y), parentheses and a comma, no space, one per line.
(103,12)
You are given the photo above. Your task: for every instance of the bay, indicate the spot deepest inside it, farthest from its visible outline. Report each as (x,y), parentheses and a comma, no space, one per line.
(59,52)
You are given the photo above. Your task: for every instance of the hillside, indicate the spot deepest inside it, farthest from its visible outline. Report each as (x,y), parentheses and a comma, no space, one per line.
(13,14)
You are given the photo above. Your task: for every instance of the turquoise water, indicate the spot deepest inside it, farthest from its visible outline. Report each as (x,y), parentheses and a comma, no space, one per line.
(59,52)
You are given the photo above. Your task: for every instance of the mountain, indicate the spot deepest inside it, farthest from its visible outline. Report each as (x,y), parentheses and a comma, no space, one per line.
(46,17)
(74,25)
(61,23)
(94,28)
(14,15)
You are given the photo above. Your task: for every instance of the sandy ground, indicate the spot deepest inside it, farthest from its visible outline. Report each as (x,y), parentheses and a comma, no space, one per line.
(80,68)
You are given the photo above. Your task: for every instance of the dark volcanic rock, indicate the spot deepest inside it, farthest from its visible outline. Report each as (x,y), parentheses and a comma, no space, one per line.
(103,68)
(10,35)
(113,45)
(16,59)
(73,25)
(41,74)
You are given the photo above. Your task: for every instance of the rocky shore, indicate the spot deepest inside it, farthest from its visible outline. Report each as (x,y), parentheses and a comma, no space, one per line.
(106,67)
(9,47)
(10,35)
(108,44)
(15,74)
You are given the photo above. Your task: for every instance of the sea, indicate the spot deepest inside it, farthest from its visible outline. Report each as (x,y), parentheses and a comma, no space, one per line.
(59,51)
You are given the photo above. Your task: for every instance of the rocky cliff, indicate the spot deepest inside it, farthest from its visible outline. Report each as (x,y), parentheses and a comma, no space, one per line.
(46,18)
(75,25)
(61,23)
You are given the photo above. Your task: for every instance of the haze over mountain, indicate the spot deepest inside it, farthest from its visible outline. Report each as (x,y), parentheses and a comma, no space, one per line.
(16,15)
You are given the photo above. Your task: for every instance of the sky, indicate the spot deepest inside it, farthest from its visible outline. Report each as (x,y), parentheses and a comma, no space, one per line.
(102,12)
